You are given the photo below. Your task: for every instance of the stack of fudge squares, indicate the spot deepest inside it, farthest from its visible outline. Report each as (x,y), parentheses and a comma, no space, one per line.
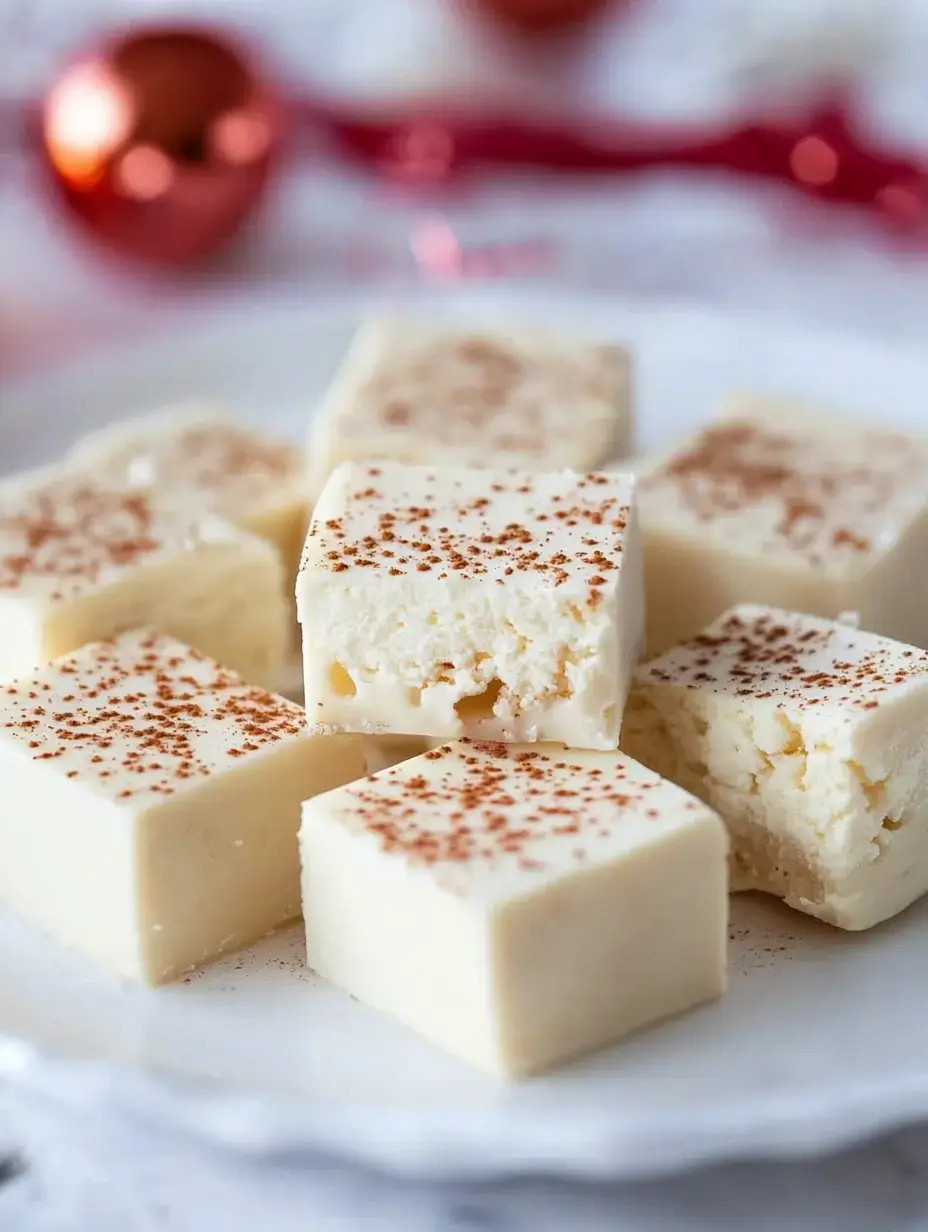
(499,824)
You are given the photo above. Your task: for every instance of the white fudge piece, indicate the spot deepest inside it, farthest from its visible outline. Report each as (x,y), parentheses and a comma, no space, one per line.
(810,738)
(517,905)
(81,561)
(520,397)
(196,456)
(458,602)
(152,803)
(779,503)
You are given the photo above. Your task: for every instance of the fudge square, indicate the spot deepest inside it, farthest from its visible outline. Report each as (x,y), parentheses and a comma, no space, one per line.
(780,503)
(517,905)
(82,560)
(810,738)
(459,602)
(196,456)
(152,804)
(522,397)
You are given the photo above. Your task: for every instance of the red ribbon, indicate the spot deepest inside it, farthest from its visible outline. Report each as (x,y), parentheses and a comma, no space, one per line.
(821,153)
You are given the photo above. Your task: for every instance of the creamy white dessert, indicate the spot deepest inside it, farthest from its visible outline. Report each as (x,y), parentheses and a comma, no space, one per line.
(81,560)
(152,803)
(810,738)
(780,503)
(194,455)
(459,602)
(381,752)
(517,905)
(522,397)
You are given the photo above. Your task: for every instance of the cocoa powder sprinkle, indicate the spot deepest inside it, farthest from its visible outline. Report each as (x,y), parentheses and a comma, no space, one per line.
(491,805)
(148,707)
(827,497)
(62,536)
(207,457)
(402,533)
(482,396)
(765,653)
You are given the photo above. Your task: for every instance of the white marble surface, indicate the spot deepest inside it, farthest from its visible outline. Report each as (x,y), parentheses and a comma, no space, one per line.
(98,1178)
(704,241)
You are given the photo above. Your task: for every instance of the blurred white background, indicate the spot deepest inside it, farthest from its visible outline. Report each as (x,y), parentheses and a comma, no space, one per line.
(681,60)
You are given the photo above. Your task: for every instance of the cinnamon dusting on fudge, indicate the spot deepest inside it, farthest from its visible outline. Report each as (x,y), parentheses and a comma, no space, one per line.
(570,528)
(766,653)
(817,493)
(143,706)
(490,802)
(70,531)
(452,385)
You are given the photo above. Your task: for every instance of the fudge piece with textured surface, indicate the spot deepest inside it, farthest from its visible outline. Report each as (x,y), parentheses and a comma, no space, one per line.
(810,739)
(780,503)
(196,456)
(459,602)
(521,397)
(152,803)
(82,560)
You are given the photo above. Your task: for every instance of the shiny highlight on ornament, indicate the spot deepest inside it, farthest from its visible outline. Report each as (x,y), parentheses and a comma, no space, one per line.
(87,116)
(241,137)
(144,173)
(162,142)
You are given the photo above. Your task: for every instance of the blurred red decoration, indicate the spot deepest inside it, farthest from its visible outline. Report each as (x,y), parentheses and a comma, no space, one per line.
(819,153)
(162,141)
(543,16)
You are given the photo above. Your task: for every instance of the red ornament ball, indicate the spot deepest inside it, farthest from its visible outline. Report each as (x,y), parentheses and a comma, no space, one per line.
(161,141)
(542,16)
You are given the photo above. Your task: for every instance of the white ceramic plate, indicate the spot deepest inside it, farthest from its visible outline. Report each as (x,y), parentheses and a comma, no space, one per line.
(822,1038)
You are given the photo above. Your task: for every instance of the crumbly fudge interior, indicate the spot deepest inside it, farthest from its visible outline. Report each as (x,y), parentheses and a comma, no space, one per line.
(783,731)
(517,902)
(490,604)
